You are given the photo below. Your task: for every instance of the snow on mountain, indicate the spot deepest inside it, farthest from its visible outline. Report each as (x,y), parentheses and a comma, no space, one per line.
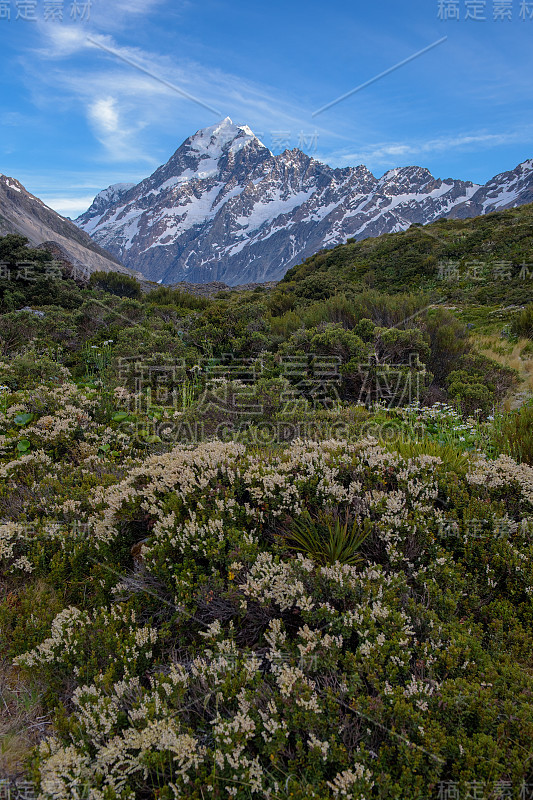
(224,208)
(103,200)
(507,190)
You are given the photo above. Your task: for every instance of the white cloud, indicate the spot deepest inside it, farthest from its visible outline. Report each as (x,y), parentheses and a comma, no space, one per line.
(114,16)
(118,139)
(104,115)
(126,7)
(146,102)
(382,154)
(61,41)
(68,206)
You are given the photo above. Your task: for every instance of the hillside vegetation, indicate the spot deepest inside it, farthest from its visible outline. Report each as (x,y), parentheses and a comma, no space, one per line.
(273,544)
(484,260)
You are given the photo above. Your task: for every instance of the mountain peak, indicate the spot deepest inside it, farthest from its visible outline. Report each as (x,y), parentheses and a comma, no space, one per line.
(224,208)
(525,166)
(406,174)
(11,183)
(215,138)
(108,196)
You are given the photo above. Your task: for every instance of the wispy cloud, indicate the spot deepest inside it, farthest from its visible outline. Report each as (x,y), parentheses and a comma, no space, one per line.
(141,101)
(154,76)
(118,15)
(104,114)
(14,119)
(68,206)
(117,138)
(386,153)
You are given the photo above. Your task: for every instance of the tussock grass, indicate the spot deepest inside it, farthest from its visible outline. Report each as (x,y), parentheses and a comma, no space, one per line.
(328,540)
(454,458)
(513,434)
(515,355)
(22,723)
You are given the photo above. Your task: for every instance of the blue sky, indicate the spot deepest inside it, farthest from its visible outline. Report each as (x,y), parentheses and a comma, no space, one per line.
(75,118)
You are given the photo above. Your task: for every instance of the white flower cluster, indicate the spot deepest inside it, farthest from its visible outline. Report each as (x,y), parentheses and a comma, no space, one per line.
(69,631)
(272,639)
(345,783)
(502,473)
(62,643)
(272,581)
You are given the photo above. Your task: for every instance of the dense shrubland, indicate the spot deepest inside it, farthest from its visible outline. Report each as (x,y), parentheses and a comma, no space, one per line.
(275,544)
(482,260)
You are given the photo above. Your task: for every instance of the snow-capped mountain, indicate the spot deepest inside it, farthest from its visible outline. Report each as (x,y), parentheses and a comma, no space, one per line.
(23,213)
(507,190)
(224,208)
(108,197)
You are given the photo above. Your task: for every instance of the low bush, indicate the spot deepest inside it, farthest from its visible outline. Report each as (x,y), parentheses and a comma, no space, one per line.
(117,283)
(522,323)
(513,434)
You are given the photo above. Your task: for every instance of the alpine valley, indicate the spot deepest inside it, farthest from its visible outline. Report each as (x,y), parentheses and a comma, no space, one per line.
(224,208)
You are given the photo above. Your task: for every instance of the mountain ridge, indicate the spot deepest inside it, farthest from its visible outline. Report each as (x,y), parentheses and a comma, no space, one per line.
(224,208)
(24,214)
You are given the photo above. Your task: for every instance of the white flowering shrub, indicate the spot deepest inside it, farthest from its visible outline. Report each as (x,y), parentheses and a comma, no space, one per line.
(197,655)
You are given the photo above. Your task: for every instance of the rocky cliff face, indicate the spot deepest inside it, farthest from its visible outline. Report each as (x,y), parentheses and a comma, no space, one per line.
(225,209)
(22,213)
(507,190)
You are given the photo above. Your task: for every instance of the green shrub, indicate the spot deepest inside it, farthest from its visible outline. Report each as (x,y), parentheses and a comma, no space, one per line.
(169,296)
(469,390)
(479,382)
(448,339)
(513,434)
(522,324)
(116,283)
(30,370)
